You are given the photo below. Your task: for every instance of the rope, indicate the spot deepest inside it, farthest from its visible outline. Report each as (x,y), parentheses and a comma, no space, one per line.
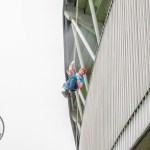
(76,34)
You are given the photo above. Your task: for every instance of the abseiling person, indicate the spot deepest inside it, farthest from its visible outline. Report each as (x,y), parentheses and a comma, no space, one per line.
(75,81)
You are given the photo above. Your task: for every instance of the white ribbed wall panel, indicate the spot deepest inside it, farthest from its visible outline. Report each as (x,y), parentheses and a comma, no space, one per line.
(120,79)
(127,138)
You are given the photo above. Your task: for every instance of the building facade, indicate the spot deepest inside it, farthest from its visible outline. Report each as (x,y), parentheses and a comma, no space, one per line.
(111,38)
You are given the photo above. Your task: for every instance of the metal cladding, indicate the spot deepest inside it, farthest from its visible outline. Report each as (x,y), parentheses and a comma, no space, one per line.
(117,109)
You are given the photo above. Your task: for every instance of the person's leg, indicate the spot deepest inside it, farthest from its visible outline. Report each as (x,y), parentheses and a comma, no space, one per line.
(66,85)
(73,85)
(70,85)
(66,89)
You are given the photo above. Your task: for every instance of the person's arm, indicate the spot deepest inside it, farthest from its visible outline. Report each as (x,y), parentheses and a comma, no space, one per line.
(71,69)
(80,82)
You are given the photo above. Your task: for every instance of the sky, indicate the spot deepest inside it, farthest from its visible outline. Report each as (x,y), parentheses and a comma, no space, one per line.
(35,114)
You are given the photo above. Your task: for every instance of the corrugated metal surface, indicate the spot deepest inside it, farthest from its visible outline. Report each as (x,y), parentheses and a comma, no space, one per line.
(135,128)
(120,79)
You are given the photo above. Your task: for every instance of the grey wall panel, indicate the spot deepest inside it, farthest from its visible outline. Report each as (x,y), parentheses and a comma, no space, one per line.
(120,79)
